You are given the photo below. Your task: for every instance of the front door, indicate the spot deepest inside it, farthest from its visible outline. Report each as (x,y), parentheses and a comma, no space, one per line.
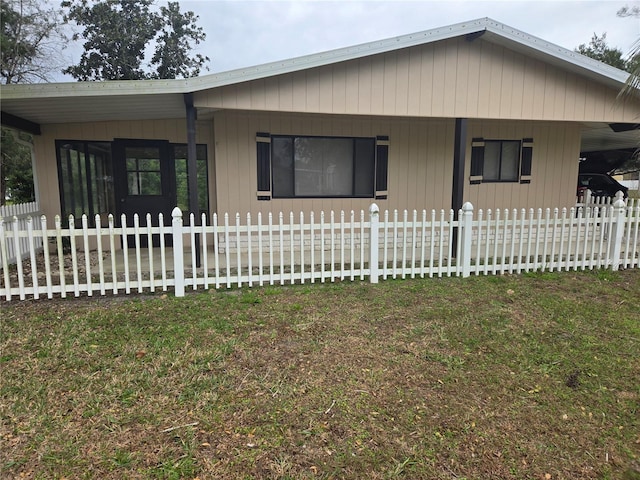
(146,181)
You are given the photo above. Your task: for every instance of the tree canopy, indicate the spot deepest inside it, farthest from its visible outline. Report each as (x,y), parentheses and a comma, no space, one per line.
(16,180)
(598,49)
(30,44)
(633,82)
(118,34)
(30,41)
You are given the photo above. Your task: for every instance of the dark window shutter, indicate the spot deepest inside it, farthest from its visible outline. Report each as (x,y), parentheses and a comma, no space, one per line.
(263,147)
(477,160)
(527,157)
(382,166)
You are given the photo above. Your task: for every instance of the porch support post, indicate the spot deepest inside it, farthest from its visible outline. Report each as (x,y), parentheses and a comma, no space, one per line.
(619,213)
(457,189)
(192,166)
(459,152)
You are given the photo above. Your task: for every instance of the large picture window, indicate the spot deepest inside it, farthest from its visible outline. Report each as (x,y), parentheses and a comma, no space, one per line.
(309,167)
(297,166)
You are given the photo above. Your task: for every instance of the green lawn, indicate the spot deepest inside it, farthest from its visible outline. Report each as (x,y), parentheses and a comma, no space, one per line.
(532,376)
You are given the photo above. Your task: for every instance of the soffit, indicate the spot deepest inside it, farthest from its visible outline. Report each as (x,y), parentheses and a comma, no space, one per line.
(599,136)
(96,108)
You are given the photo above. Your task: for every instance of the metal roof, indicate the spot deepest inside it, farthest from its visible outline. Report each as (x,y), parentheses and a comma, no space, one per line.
(146,99)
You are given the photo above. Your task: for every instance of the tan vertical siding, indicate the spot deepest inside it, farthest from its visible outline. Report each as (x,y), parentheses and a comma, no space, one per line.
(258,98)
(420,155)
(451,78)
(377,84)
(414,83)
(351,89)
(389,83)
(365,87)
(425,93)
(438,86)
(556,148)
(402,82)
(462,82)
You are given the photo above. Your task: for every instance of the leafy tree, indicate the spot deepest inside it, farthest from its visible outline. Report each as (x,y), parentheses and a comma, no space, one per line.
(16,178)
(627,11)
(599,50)
(633,83)
(118,33)
(172,55)
(30,41)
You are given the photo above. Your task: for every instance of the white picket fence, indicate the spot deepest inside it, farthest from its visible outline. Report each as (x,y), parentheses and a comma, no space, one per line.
(236,251)
(587,199)
(20,213)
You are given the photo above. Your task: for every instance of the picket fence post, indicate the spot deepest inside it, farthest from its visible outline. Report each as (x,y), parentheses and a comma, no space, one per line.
(619,214)
(178,255)
(465,227)
(374,225)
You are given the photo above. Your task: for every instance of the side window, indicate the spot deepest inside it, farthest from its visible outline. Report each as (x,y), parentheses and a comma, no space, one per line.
(501,160)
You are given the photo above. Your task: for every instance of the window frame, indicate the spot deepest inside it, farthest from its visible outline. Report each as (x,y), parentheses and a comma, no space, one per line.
(370,194)
(478,157)
(517,166)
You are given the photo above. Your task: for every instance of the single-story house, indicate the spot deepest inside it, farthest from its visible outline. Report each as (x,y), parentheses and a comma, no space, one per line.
(476,111)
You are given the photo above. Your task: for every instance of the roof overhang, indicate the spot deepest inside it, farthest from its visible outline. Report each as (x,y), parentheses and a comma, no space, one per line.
(598,137)
(150,99)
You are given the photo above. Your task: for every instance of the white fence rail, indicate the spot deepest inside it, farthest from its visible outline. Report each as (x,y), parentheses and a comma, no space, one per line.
(17,215)
(587,199)
(225,251)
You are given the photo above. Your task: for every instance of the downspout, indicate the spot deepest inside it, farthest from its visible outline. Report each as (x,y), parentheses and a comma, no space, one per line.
(192,166)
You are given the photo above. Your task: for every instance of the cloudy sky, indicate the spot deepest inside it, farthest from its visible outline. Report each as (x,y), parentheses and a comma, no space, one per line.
(244,33)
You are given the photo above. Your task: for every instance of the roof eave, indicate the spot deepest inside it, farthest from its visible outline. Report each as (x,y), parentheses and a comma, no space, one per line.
(334,56)
(94,89)
(593,68)
(498,33)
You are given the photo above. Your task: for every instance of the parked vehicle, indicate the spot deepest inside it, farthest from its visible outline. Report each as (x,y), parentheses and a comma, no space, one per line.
(595,172)
(600,184)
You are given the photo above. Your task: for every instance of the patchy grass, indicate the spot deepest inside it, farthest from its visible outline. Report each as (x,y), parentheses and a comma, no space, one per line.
(531,376)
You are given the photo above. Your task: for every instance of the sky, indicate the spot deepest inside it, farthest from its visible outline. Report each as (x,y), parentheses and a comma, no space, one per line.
(243,33)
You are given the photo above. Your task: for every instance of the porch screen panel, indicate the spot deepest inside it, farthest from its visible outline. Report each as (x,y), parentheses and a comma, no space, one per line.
(73,180)
(182,172)
(101,169)
(85,178)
